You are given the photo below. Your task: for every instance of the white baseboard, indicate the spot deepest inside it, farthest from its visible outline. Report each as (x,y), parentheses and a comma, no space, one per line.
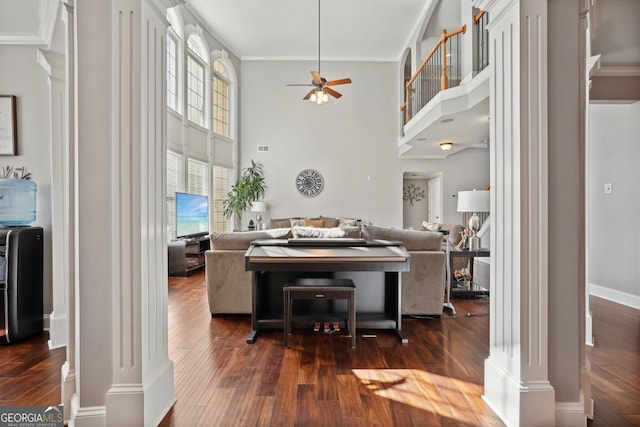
(571,414)
(58,330)
(624,298)
(91,416)
(46,321)
(518,403)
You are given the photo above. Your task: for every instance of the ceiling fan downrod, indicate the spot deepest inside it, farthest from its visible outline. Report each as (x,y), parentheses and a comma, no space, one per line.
(319,71)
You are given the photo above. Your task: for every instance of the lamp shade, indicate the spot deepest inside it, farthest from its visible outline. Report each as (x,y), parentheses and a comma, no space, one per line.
(259,207)
(473,201)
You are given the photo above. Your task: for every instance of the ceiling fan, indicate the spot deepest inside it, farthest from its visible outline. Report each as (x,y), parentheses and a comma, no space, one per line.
(321,90)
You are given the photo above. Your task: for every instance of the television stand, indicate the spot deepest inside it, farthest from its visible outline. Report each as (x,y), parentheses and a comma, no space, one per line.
(186,256)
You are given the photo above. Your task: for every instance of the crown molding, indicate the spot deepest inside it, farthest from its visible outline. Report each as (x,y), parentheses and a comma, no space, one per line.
(609,71)
(22,39)
(47,16)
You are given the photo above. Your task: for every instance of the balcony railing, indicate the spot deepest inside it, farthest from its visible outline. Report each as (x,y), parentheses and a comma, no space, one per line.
(440,70)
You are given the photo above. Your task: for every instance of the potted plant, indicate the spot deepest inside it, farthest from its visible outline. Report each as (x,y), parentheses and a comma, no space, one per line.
(249,188)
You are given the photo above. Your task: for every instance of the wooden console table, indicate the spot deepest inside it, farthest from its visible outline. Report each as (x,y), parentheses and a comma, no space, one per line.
(274,262)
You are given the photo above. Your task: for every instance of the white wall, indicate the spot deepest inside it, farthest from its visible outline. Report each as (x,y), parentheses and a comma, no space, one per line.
(20,75)
(614,219)
(351,141)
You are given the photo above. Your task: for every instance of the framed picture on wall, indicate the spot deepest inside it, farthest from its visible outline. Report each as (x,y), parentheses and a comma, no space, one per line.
(8,126)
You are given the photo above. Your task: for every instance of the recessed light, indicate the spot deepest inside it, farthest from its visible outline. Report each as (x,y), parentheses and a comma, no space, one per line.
(446,120)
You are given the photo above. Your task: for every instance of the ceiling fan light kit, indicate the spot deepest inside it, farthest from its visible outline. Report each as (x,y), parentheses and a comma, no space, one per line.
(319,96)
(320,92)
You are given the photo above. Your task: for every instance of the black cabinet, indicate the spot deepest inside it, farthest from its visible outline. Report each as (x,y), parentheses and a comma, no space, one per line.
(21,299)
(187,256)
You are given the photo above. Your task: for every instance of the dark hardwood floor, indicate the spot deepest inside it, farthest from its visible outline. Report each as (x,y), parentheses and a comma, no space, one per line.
(615,364)
(320,380)
(436,380)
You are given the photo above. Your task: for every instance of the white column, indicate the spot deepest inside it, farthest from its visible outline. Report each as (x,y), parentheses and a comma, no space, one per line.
(54,64)
(585,53)
(142,388)
(516,372)
(566,107)
(92,333)
(123,374)
(65,161)
(533,373)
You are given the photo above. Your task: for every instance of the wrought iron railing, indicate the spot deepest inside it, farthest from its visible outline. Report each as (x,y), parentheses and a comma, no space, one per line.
(440,70)
(481,41)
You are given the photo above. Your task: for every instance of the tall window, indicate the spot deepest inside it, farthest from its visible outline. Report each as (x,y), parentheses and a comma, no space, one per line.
(220,99)
(197,177)
(175,178)
(195,90)
(172,72)
(174,60)
(220,190)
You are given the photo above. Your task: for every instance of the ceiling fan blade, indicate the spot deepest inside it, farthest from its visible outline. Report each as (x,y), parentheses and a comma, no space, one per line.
(339,82)
(296,84)
(316,77)
(332,92)
(307,96)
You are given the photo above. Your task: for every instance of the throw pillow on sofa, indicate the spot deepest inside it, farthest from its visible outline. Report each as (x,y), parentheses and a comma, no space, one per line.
(280,223)
(317,232)
(454,232)
(431,226)
(347,222)
(330,222)
(296,222)
(314,222)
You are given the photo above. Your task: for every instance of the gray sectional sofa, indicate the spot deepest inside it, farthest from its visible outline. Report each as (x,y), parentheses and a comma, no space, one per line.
(229,285)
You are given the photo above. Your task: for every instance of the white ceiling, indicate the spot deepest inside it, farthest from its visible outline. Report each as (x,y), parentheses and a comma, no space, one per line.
(351,29)
(377,30)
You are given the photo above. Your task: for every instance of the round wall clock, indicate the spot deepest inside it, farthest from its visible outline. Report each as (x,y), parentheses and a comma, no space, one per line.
(309,183)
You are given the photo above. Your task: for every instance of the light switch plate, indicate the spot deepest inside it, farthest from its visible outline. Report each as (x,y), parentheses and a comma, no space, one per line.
(608,188)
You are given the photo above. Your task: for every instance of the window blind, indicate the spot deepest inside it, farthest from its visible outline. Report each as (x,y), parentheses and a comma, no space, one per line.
(175,178)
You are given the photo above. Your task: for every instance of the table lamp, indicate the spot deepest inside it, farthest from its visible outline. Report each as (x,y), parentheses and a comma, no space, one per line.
(259,207)
(474,201)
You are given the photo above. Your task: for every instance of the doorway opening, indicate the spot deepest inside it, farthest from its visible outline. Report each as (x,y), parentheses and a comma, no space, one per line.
(422,198)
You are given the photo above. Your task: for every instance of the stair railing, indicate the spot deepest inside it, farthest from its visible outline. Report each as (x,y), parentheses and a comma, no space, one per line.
(433,74)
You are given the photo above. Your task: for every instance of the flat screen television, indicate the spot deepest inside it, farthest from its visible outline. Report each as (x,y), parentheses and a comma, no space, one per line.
(192,215)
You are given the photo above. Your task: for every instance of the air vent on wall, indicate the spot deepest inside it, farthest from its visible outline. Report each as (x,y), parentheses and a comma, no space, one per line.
(263,148)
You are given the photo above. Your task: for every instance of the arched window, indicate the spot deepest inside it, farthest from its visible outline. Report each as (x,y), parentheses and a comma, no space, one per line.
(175,159)
(174,60)
(223,122)
(220,99)
(196,65)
